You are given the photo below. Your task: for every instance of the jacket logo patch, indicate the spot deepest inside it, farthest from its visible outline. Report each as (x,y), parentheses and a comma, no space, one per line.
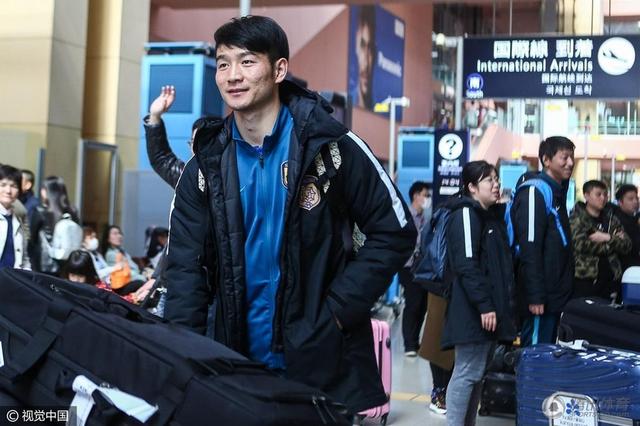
(284,174)
(309,196)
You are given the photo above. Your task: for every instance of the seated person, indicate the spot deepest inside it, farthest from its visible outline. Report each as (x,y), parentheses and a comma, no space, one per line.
(157,242)
(126,278)
(79,269)
(91,244)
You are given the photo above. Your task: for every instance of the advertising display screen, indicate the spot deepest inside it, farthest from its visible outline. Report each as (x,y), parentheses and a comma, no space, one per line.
(376,55)
(552,67)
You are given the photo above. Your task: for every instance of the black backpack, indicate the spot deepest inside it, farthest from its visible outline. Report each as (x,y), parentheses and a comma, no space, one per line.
(61,340)
(430,264)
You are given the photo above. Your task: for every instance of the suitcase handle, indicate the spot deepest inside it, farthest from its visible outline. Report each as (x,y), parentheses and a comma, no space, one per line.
(57,314)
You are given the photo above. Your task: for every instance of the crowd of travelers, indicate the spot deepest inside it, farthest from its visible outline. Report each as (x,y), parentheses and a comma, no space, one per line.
(513,266)
(44,234)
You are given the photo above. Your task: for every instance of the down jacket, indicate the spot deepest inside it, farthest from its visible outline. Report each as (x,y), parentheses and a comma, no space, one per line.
(322,305)
(479,260)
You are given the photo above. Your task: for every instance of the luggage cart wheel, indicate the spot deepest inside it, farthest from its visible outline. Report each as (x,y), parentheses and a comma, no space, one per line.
(383,419)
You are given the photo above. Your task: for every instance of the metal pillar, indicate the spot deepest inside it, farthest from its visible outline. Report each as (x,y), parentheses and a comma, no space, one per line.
(612,189)
(459,59)
(392,139)
(510,17)
(245,7)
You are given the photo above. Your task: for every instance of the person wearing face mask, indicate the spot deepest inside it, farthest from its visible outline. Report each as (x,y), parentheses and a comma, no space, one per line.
(91,244)
(415,296)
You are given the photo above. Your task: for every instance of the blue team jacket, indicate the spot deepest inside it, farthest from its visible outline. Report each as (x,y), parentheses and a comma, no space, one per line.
(263,191)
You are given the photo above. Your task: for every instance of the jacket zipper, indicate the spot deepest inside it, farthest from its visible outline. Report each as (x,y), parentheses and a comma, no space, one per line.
(221,293)
(277,339)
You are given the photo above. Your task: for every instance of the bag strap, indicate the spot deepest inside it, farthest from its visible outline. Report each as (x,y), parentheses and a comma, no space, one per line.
(547,194)
(536,330)
(57,314)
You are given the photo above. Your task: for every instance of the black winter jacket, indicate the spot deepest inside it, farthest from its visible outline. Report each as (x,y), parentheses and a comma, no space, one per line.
(545,267)
(321,278)
(632,229)
(480,264)
(162,159)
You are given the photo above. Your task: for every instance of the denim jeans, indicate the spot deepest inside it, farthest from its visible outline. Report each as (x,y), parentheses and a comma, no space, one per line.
(463,393)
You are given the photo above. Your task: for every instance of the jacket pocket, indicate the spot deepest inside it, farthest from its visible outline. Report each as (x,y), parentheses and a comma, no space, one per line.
(315,351)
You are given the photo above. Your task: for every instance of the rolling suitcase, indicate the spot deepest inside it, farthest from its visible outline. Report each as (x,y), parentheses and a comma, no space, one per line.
(382,348)
(577,385)
(601,323)
(65,344)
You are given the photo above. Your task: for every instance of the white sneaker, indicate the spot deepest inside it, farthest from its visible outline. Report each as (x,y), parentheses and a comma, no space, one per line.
(411,354)
(433,407)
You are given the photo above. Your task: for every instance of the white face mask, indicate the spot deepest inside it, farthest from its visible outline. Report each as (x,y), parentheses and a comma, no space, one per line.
(426,203)
(92,244)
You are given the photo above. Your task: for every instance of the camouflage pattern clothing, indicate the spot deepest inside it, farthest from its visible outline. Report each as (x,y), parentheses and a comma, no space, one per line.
(587,253)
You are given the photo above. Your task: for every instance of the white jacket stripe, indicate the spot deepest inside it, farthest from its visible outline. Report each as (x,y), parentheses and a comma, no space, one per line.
(466,222)
(173,199)
(531,234)
(395,201)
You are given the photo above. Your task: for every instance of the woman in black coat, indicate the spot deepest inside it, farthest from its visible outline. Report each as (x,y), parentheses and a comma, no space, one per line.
(480,309)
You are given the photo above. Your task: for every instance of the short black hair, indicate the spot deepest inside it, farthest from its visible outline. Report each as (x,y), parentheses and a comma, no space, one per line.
(591,184)
(551,145)
(28,175)
(81,263)
(624,188)
(473,172)
(258,34)
(417,187)
(12,174)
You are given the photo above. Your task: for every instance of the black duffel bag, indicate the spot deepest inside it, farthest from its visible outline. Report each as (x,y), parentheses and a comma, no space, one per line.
(599,322)
(63,341)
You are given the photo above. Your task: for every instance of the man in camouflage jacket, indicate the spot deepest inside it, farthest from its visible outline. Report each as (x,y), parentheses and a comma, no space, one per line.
(598,241)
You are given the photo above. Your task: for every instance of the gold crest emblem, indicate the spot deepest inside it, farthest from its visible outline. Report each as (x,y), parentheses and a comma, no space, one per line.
(309,196)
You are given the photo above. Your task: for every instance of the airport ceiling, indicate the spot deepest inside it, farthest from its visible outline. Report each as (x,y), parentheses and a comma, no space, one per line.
(211,4)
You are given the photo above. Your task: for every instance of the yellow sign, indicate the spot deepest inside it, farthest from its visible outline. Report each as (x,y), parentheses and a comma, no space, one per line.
(381,107)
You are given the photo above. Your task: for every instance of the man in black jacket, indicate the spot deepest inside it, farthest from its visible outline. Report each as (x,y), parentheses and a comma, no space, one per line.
(279,186)
(545,263)
(162,159)
(627,213)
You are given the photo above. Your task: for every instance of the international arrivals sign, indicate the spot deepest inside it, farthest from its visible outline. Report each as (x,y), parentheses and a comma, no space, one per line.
(552,67)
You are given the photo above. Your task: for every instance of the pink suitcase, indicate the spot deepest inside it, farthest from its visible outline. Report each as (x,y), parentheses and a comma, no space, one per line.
(382,348)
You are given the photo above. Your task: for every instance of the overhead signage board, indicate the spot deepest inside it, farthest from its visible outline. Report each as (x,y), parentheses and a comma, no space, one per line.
(602,67)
